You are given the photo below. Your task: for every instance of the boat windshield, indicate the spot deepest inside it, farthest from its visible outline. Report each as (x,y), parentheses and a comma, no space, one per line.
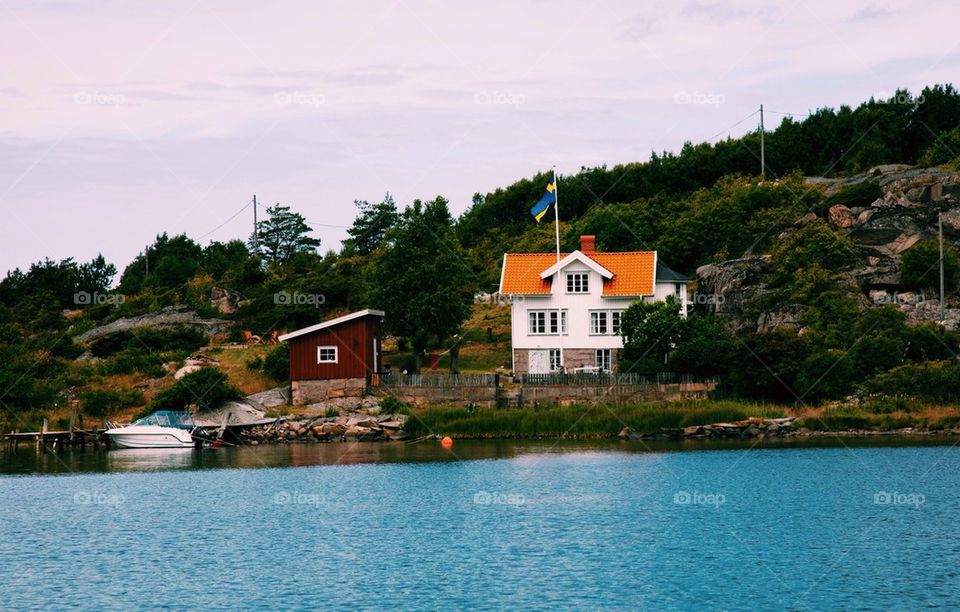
(168,418)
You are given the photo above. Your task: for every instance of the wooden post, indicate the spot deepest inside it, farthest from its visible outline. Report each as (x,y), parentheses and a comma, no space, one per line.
(41,446)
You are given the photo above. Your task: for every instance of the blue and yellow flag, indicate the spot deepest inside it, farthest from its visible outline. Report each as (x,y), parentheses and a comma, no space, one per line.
(549,199)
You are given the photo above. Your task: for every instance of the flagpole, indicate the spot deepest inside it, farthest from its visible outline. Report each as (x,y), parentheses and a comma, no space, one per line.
(560,287)
(556,209)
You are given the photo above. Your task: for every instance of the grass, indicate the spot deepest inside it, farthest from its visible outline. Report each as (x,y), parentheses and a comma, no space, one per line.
(478,355)
(580,421)
(233,362)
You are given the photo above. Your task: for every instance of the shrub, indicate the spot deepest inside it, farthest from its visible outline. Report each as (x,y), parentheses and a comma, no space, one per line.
(148,339)
(813,244)
(858,194)
(920,266)
(204,388)
(937,381)
(129,361)
(276,365)
(105,402)
(255,364)
(391,405)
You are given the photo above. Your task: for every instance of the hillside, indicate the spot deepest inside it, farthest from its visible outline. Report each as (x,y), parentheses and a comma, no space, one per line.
(823,275)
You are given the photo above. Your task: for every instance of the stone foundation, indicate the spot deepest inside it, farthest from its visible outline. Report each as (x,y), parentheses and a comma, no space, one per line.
(313,391)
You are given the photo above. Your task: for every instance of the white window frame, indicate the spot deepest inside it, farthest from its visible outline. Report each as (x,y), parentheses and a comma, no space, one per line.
(555,363)
(603,359)
(596,318)
(612,322)
(578,283)
(546,320)
(336,354)
(616,322)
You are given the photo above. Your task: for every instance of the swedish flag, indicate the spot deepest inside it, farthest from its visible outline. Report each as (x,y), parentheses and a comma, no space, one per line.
(549,199)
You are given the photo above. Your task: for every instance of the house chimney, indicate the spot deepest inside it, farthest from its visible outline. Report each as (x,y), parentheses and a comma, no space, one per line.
(588,245)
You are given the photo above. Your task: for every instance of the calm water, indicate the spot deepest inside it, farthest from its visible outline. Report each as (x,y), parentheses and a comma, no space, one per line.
(512,525)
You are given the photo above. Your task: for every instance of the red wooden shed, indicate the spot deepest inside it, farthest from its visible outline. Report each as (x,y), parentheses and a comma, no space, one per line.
(347,347)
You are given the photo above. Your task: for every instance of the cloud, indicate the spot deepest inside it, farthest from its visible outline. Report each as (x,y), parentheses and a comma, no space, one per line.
(871,12)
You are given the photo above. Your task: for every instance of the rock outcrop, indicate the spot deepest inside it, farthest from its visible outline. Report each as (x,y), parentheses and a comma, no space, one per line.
(166,318)
(227,301)
(881,231)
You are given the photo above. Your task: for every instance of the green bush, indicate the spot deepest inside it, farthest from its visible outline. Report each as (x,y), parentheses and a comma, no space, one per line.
(936,381)
(255,364)
(858,194)
(129,361)
(943,150)
(276,365)
(391,405)
(105,402)
(813,244)
(920,266)
(148,339)
(205,388)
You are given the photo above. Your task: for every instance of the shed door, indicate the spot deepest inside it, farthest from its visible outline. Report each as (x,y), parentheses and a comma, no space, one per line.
(540,362)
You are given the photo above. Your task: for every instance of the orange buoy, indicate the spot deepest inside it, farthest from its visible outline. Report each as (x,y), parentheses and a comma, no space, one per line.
(447,442)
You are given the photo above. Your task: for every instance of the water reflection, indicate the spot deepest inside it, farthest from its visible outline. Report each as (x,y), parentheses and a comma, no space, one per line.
(26,461)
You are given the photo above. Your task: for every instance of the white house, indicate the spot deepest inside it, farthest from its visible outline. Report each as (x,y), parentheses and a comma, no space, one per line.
(567,315)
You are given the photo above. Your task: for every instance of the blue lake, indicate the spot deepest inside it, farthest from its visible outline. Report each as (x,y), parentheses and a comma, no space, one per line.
(489,525)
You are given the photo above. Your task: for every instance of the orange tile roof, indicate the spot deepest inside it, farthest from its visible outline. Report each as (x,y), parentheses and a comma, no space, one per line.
(633,273)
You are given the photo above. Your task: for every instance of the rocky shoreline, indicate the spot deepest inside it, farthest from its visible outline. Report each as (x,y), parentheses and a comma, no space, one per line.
(349,427)
(359,427)
(757,428)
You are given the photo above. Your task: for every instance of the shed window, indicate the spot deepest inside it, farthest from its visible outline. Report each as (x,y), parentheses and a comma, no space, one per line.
(326,354)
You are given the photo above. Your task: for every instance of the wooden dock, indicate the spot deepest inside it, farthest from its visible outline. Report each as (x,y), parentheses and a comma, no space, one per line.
(45,439)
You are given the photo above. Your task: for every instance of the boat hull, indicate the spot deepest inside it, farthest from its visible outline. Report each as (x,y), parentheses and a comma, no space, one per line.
(150,437)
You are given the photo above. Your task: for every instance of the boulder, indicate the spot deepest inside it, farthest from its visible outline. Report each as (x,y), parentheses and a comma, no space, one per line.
(227,301)
(839,216)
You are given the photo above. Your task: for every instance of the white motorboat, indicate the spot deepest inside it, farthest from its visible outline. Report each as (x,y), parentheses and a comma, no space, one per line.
(162,429)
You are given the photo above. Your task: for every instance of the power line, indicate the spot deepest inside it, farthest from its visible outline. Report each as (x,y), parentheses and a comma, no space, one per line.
(788,114)
(312,224)
(232,217)
(727,129)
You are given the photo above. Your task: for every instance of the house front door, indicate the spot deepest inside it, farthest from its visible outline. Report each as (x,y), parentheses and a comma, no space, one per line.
(539,362)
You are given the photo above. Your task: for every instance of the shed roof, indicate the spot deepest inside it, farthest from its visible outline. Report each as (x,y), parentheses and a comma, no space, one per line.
(369,312)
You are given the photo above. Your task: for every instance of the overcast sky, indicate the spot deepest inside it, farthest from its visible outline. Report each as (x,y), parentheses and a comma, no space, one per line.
(123,119)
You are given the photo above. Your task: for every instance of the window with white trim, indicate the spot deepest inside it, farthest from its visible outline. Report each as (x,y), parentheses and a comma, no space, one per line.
(555,360)
(578,282)
(603,358)
(598,323)
(545,323)
(605,322)
(327,354)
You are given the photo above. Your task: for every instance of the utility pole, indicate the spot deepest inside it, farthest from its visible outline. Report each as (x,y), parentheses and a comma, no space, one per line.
(763,158)
(942,292)
(256,237)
